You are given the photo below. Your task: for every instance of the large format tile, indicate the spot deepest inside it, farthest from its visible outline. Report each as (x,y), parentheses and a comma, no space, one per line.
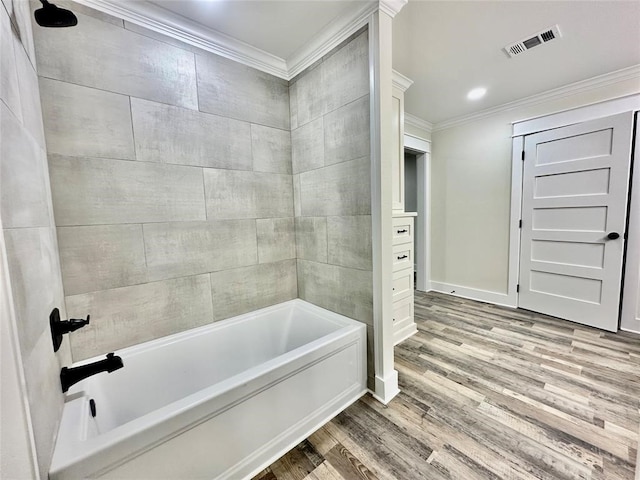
(345,73)
(341,189)
(309,96)
(343,290)
(234,90)
(9,87)
(101,257)
(188,248)
(177,135)
(307,146)
(276,239)
(246,289)
(349,241)
(90,191)
(29,95)
(271,149)
(130,315)
(346,132)
(35,281)
(108,57)
(85,121)
(311,238)
(23,176)
(235,194)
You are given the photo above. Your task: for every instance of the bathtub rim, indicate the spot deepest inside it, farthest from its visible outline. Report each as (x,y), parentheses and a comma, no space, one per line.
(193,407)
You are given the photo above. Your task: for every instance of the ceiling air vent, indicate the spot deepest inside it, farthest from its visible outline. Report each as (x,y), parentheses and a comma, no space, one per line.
(539,38)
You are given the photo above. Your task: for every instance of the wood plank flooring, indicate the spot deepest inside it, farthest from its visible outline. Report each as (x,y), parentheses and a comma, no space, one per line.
(488,393)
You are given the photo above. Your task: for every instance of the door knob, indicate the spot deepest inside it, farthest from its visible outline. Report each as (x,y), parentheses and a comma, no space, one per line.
(613,235)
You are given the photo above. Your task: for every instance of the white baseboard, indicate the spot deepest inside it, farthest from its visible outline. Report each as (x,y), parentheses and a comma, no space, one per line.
(404,332)
(386,388)
(473,294)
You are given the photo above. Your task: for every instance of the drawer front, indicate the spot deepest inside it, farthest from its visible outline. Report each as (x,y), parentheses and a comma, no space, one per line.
(403,311)
(402,257)
(402,230)
(402,284)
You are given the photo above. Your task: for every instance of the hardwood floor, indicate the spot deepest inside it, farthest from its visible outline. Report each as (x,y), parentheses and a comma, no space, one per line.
(488,393)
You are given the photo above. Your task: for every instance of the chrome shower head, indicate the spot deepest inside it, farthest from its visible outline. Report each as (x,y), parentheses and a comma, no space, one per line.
(52,16)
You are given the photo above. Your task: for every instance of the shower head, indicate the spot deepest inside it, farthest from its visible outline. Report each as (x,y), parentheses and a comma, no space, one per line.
(52,16)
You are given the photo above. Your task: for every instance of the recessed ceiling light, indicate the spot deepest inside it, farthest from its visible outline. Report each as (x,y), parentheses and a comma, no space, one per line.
(476,93)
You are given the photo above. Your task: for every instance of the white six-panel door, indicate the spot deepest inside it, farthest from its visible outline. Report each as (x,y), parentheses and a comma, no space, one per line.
(574,202)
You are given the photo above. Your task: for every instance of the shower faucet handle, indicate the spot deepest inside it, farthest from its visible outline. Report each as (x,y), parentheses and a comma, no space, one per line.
(61,327)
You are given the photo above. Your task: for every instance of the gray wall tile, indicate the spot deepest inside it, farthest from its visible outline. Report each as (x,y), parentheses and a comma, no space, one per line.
(271,149)
(343,290)
(346,132)
(276,239)
(235,194)
(108,57)
(228,88)
(297,204)
(345,73)
(293,105)
(101,257)
(33,268)
(307,146)
(311,238)
(29,95)
(177,135)
(85,121)
(187,248)
(9,88)
(341,189)
(103,191)
(349,241)
(130,315)
(23,176)
(310,96)
(245,289)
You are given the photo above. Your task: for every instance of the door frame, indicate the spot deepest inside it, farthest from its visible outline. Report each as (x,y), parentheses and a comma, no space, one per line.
(521,128)
(422,149)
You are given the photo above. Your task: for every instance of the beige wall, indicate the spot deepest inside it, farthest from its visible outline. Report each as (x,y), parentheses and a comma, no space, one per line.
(29,239)
(471,182)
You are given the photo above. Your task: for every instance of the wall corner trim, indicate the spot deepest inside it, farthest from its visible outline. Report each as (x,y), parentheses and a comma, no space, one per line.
(417,122)
(400,82)
(611,78)
(392,7)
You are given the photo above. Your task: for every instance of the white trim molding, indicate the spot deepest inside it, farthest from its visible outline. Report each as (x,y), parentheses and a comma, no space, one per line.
(473,294)
(400,82)
(417,122)
(158,19)
(629,73)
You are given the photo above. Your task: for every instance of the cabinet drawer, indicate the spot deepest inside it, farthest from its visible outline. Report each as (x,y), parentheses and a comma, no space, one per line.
(402,230)
(402,257)
(403,311)
(402,284)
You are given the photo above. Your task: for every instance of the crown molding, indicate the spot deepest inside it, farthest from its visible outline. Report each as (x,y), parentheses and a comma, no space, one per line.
(158,19)
(417,122)
(400,82)
(168,23)
(328,38)
(629,73)
(392,7)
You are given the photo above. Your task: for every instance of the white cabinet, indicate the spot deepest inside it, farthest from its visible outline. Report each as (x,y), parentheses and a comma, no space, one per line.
(403,322)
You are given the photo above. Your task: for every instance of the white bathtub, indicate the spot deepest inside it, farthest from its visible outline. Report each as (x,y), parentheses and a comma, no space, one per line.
(220,401)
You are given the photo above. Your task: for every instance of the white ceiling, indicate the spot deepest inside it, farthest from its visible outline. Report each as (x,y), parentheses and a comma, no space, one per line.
(450,47)
(278,27)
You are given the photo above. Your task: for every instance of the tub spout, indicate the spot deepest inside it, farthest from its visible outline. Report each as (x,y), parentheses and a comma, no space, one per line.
(71,376)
